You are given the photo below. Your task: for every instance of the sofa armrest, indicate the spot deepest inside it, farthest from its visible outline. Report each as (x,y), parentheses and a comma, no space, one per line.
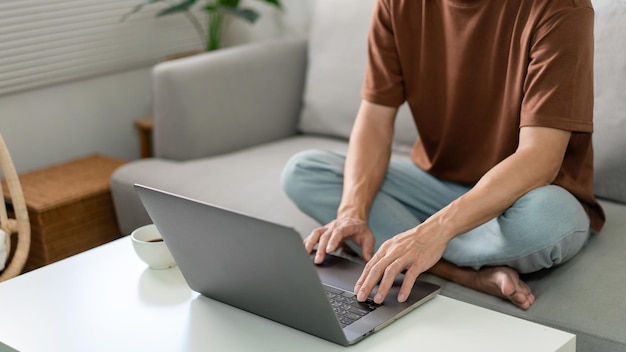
(233,98)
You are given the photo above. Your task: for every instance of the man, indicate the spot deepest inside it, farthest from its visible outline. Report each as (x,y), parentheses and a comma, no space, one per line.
(500,181)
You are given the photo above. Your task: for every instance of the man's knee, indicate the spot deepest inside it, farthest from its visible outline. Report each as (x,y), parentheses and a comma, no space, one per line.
(546,211)
(294,171)
(546,227)
(307,169)
(553,222)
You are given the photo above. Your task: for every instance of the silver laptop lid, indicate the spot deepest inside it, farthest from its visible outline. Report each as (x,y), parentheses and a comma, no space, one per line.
(263,267)
(254,265)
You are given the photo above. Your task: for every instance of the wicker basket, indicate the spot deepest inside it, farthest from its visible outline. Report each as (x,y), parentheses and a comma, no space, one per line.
(70,208)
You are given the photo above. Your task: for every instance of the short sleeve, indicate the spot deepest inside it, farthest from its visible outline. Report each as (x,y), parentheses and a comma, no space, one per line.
(383,78)
(558,89)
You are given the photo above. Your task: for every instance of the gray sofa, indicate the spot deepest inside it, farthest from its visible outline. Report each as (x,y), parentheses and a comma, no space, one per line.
(226,123)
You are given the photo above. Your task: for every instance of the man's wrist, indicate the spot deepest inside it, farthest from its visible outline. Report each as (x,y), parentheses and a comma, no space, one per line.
(352,212)
(444,222)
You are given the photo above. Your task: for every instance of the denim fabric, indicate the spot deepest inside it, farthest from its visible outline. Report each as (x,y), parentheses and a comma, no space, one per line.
(545,227)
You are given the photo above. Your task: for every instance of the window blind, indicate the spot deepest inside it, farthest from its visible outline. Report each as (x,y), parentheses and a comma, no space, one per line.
(44,42)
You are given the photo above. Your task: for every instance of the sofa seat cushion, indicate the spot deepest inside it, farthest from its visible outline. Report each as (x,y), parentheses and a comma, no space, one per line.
(247,181)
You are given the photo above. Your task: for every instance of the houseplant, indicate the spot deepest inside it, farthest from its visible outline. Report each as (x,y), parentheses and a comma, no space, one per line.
(216,12)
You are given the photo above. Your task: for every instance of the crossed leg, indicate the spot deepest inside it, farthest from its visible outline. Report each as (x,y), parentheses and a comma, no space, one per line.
(524,239)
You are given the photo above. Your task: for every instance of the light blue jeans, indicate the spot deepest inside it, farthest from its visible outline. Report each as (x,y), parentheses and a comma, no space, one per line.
(544,228)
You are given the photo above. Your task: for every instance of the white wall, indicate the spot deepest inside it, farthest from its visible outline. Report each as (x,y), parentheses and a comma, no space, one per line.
(57,123)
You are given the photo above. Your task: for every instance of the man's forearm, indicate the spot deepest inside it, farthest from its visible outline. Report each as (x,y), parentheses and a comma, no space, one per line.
(368,157)
(534,164)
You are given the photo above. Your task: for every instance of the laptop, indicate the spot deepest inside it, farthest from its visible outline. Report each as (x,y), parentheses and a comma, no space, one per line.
(263,268)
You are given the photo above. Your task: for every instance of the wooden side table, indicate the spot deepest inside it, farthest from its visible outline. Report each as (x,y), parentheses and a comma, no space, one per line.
(144,126)
(70,208)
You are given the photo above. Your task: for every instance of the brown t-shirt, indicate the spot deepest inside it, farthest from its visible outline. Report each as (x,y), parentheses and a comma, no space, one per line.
(474,71)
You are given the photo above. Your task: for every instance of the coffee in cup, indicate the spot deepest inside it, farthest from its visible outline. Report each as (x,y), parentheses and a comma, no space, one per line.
(151,248)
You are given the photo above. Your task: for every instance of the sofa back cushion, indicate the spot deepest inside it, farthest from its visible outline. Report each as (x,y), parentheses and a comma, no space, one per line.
(337,59)
(610,100)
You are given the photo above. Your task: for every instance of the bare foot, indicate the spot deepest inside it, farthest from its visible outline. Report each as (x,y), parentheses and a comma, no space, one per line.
(503,282)
(498,281)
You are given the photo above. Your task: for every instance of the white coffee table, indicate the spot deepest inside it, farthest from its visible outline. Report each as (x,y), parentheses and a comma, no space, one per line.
(106,299)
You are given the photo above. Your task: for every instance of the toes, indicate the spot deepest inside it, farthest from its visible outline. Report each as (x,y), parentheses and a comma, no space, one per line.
(503,282)
(514,289)
(521,300)
(523,297)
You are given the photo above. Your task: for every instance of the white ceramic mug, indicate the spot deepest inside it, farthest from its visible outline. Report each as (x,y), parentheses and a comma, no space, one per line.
(151,248)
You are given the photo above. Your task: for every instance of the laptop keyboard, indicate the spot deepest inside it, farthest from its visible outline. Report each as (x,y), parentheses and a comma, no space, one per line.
(346,306)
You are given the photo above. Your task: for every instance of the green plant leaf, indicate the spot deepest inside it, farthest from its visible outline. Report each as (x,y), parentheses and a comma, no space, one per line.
(215,9)
(139,8)
(182,7)
(274,2)
(246,14)
(229,3)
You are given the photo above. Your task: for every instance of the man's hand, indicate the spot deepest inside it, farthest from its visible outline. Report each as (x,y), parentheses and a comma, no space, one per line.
(329,238)
(415,251)
(367,160)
